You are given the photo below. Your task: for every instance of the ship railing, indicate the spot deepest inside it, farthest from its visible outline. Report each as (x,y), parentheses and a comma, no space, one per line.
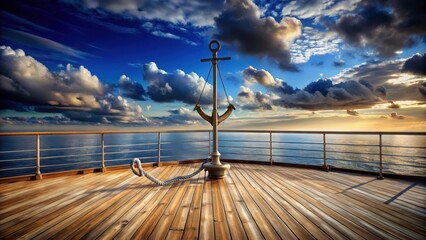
(112,149)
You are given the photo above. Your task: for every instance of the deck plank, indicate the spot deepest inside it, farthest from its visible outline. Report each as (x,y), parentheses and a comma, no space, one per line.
(251,202)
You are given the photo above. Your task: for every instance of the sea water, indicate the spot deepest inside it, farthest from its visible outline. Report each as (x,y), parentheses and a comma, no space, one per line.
(401,154)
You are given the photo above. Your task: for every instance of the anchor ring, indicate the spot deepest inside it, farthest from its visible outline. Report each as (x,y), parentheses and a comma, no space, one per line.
(212,44)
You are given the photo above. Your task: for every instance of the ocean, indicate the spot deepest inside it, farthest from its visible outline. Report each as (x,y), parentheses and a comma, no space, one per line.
(401,154)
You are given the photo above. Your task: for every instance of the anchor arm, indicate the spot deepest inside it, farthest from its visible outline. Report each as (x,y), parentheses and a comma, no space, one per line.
(227,113)
(203,114)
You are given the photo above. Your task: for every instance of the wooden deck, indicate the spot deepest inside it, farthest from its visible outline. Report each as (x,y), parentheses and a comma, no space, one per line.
(252,202)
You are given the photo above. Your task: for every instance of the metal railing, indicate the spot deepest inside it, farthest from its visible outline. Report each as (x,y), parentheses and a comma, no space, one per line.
(46,152)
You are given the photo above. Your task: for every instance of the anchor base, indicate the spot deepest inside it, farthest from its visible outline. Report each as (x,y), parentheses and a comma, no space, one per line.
(216,171)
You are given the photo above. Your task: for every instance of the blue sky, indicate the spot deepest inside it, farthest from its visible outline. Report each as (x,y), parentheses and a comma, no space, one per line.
(321,64)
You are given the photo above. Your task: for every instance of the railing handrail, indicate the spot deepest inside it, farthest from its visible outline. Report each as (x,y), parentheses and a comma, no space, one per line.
(203,130)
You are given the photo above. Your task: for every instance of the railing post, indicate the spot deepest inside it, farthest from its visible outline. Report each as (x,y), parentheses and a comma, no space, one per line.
(159,149)
(271,161)
(38,175)
(209,144)
(380,158)
(324,146)
(103,152)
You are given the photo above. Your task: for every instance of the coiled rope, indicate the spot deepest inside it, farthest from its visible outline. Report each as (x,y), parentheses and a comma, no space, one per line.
(140,172)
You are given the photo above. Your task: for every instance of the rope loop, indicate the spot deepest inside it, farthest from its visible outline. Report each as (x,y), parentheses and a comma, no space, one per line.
(137,169)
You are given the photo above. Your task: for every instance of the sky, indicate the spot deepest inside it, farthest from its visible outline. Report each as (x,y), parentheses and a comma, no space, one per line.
(295,65)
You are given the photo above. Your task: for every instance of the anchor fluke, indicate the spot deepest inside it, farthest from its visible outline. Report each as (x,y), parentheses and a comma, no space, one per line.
(203,114)
(227,113)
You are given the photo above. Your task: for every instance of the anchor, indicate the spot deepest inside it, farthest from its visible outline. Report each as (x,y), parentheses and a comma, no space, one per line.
(215,168)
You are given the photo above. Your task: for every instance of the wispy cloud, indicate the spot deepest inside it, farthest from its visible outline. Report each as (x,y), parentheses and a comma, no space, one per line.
(9,17)
(35,41)
(198,13)
(160,31)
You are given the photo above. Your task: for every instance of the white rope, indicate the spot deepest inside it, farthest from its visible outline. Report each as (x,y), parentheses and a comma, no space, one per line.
(140,172)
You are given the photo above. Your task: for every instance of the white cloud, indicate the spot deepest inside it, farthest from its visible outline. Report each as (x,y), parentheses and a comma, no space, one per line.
(314,42)
(74,92)
(176,86)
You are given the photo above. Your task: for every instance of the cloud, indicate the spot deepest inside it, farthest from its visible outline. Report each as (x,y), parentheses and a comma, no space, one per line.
(393,105)
(314,42)
(318,95)
(318,8)
(352,112)
(159,31)
(385,26)
(177,86)
(416,64)
(180,116)
(8,18)
(35,41)
(75,93)
(338,62)
(197,13)
(251,76)
(386,78)
(240,25)
(57,120)
(131,89)
(396,116)
(250,100)
(422,89)
(359,87)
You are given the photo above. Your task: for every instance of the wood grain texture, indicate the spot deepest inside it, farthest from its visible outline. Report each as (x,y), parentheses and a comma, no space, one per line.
(251,202)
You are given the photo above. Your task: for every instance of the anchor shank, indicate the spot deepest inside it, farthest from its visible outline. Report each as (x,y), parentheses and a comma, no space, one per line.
(215,154)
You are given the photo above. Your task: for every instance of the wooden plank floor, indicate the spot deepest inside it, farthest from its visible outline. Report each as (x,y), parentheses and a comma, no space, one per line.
(252,202)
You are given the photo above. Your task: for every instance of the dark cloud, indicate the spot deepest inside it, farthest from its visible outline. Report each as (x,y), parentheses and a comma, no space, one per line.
(177,86)
(396,116)
(422,89)
(386,79)
(416,64)
(381,90)
(240,25)
(352,112)
(77,94)
(322,86)
(361,86)
(131,89)
(386,26)
(320,95)
(339,63)
(393,105)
